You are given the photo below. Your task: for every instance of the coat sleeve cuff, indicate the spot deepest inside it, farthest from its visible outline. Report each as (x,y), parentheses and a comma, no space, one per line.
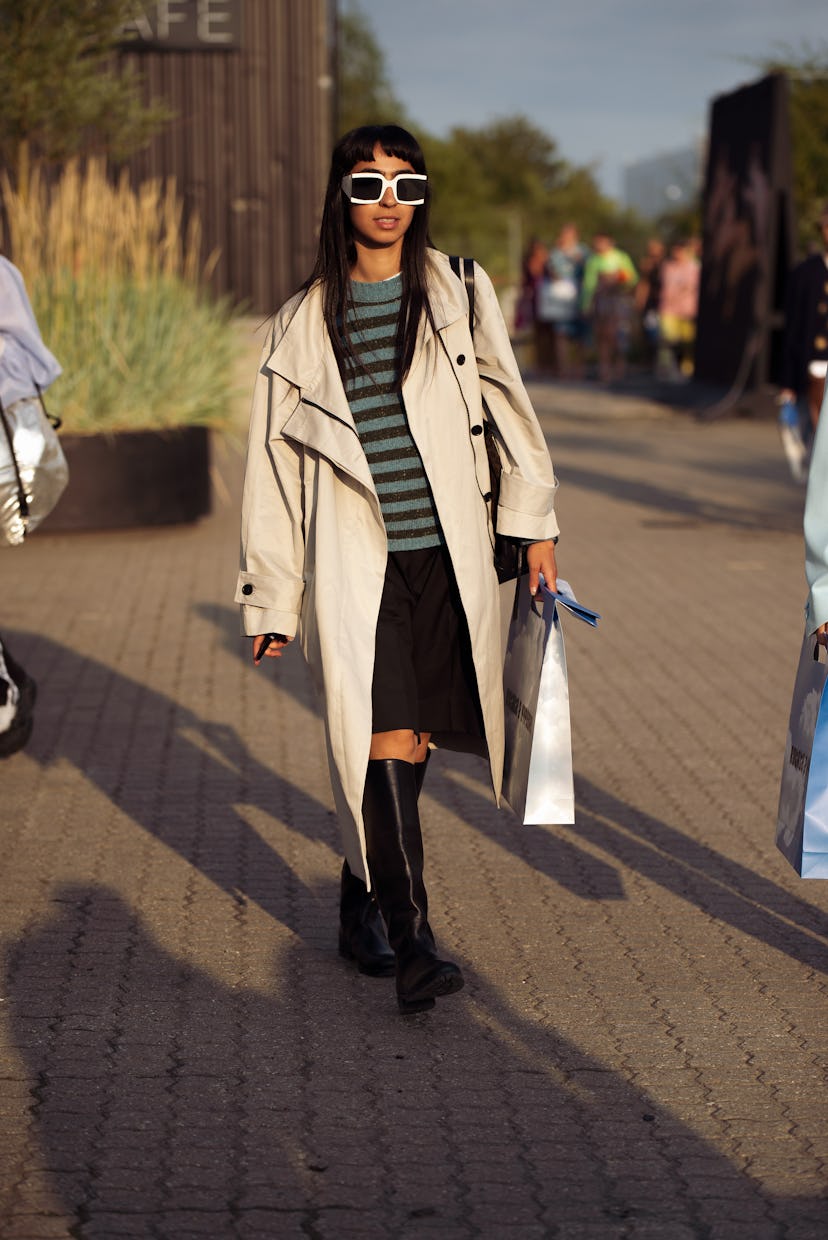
(275,593)
(269,604)
(526,509)
(256,620)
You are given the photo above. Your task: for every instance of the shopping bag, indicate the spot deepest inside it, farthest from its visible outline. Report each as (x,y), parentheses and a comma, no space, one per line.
(793,444)
(537,769)
(33,469)
(802,823)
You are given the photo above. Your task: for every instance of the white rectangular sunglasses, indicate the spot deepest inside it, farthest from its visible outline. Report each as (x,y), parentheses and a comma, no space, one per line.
(364,188)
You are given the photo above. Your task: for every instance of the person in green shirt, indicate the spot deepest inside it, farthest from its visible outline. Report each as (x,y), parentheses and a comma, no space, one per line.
(606,300)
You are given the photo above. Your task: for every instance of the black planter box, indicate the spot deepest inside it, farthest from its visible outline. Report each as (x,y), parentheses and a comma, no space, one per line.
(134,478)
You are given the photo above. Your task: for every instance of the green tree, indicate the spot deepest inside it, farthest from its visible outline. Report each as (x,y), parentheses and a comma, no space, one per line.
(60,85)
(364,92)
(807,74)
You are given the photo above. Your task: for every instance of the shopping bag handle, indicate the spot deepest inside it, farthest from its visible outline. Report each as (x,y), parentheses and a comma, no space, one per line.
(57,422)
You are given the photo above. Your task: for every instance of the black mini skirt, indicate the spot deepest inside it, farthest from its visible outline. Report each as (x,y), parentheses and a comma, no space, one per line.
(424,677)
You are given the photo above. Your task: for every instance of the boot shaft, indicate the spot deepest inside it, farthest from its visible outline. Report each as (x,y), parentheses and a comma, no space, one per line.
(395,850)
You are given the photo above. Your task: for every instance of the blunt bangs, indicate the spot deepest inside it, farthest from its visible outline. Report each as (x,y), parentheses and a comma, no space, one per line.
(358,145)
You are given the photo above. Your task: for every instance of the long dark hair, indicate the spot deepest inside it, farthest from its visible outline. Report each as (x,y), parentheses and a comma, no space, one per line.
(337,251)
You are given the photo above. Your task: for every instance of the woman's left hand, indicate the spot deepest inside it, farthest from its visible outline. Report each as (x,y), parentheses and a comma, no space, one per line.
(540,557)
(822,634)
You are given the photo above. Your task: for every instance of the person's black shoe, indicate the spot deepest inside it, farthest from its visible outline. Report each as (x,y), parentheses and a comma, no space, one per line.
(362,936)
(422,981)
(17,735)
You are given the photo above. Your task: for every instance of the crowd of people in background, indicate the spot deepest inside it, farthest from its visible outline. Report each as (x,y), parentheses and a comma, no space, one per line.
(592,309)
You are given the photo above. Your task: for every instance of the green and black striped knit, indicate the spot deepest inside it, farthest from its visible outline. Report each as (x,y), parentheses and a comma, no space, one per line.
(411,521)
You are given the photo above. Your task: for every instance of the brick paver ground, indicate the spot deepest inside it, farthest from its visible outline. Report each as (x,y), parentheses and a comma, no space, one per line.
(640,1050)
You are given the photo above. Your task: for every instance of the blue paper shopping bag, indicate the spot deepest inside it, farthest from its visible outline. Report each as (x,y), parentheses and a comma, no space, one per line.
(802,826)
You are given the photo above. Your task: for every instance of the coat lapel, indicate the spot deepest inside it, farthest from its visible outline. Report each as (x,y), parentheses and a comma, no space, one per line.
(323,421)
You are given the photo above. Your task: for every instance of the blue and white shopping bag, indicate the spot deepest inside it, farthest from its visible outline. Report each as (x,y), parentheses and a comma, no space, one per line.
(802,827)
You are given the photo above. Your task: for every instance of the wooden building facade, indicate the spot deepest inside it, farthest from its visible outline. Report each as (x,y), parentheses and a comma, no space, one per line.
(251,83)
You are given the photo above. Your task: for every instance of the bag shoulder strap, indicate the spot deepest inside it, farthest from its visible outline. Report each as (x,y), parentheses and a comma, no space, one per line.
(463,268)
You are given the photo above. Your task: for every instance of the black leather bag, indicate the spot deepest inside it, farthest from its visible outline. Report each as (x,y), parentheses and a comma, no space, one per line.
(509,553)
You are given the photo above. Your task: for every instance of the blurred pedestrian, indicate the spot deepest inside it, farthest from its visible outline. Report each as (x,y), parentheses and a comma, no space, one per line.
(366,529)
(528,315)
(805,357)
(26,369)
(648,298)
(606,298)
(678,308)
(562,299)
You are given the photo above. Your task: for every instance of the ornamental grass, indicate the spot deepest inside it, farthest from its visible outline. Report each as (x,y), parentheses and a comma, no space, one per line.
(119,292)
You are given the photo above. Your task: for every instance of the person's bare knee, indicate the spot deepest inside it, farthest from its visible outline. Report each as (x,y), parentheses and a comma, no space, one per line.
(401,744)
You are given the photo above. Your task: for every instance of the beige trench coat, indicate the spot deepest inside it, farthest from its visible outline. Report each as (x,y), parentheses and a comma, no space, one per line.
(314,550)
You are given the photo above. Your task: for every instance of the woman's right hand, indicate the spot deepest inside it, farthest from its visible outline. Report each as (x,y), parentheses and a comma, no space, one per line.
(274,649)
(822,634)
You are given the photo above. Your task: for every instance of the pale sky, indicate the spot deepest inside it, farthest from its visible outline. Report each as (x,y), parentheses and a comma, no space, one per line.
(613,81)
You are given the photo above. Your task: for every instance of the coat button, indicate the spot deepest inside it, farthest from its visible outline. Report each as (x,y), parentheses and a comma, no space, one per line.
(247,589)
(477,430)
(461,358)
(487,496)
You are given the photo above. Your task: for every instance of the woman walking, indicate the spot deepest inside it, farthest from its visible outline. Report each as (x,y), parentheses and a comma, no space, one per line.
(366,528)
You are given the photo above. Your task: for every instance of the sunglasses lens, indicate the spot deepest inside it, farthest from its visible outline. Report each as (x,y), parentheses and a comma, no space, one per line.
(409,189)
(367,187)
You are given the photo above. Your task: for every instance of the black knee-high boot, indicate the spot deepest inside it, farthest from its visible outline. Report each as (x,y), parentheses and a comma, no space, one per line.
(362,936)
(395,862)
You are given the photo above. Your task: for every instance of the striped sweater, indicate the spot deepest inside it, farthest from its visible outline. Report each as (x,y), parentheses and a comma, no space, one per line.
(411,521)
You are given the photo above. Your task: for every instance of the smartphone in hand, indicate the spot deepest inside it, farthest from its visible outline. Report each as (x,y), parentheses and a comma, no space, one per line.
(269,638)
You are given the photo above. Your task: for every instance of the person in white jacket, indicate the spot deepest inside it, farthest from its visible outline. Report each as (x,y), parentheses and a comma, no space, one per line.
(816,531)
(26,368)
(367,528)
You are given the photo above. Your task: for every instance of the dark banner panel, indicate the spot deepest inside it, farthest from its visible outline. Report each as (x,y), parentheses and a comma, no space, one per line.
(747,236)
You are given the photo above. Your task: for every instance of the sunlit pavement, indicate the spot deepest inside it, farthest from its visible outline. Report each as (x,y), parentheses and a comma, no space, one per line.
(641,1045)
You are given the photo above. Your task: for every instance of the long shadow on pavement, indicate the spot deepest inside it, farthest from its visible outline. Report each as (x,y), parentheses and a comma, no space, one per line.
(180,778)
(650,455)
(165,1102)
(718,885)
(721,887)
(645,493)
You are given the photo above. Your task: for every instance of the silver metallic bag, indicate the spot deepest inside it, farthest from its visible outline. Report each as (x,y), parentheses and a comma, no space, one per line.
(33,469)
